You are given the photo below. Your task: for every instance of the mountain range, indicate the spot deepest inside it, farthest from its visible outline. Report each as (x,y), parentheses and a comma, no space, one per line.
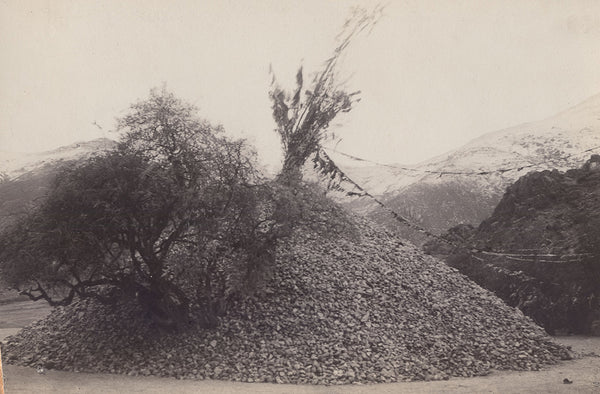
(461,186)
(464,185)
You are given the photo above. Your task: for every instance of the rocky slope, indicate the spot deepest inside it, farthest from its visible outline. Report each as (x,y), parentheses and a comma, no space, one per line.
(433,195)
(552,211)
(359,308)
(545,239)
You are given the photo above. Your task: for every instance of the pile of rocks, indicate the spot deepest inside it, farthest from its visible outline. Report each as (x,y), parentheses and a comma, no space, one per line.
(363,308)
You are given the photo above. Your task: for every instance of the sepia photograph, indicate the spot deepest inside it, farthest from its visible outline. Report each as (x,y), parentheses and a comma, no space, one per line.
(286,196)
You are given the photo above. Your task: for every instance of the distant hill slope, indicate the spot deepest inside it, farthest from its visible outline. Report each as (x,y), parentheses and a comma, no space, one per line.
(547,230)
(15,164)
(431,195)
(28,176)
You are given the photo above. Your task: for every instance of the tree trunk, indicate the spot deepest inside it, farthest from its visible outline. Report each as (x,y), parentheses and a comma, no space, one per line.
(291,172)
(167,306)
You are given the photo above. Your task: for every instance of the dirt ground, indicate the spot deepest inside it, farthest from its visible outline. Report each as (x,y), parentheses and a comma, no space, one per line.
(584,373)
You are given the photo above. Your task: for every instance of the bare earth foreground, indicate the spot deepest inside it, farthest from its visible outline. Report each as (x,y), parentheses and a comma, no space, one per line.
(584,372)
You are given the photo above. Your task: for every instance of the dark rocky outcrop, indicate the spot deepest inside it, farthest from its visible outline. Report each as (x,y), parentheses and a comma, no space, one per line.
(544,236)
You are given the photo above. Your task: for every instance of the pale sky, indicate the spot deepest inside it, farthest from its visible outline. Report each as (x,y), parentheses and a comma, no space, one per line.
(433,74)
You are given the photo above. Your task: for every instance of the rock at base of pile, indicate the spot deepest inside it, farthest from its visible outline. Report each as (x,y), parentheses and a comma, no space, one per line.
(352,309)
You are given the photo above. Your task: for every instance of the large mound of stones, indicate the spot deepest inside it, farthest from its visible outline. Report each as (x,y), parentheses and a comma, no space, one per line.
(360,308)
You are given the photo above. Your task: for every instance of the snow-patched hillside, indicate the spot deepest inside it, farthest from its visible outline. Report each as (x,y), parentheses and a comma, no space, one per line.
(564,136)
(14,164)
(25,178)
(430,194)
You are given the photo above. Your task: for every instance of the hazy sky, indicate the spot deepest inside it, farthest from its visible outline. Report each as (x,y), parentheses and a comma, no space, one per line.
(434,74)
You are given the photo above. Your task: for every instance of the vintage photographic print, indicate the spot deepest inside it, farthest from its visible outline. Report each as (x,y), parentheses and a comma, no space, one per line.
(294,196)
